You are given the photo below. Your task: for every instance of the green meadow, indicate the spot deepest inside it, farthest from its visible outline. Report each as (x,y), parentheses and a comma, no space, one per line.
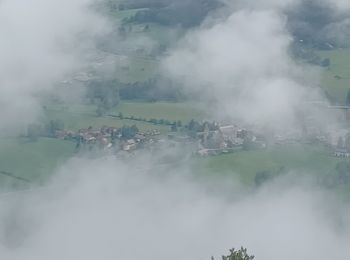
(76,117)
(32,160)
(336,79)
(137,69)
(35,160)
(299,159)
(75,121)
(172,111)
(123,14)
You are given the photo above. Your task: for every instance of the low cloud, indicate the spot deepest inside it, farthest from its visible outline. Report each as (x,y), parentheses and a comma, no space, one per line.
(243,64)
(43,42)
(109,209)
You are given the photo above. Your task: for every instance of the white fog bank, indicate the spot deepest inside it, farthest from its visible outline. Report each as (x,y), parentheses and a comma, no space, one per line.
(116,210)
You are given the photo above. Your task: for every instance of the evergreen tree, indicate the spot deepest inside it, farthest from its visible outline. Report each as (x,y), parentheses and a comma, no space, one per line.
(347,142)
(240,254)
(348,98)
(340,143)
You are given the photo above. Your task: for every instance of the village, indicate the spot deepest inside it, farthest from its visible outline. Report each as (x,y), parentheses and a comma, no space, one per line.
(206,138)
(124,139)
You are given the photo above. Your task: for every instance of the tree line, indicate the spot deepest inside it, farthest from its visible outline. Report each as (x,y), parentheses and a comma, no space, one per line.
(34,131)
(106,94)
(151,121)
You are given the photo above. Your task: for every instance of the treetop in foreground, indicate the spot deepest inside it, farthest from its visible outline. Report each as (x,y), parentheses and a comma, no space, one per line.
(240,254)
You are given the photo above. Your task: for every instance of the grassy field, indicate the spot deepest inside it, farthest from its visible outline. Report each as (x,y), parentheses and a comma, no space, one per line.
(137,69)
(165,35)
(149,37)
(32,160)
(294,158)
(336,79)
(144,41)
(76,120)
(37,160)
(82,116)
(140,67)
(123,14)
(160,110)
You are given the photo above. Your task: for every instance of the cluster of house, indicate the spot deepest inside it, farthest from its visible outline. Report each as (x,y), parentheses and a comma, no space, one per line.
(342,153)
(223,140)
(107,137)
(232,137)
(340,142)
